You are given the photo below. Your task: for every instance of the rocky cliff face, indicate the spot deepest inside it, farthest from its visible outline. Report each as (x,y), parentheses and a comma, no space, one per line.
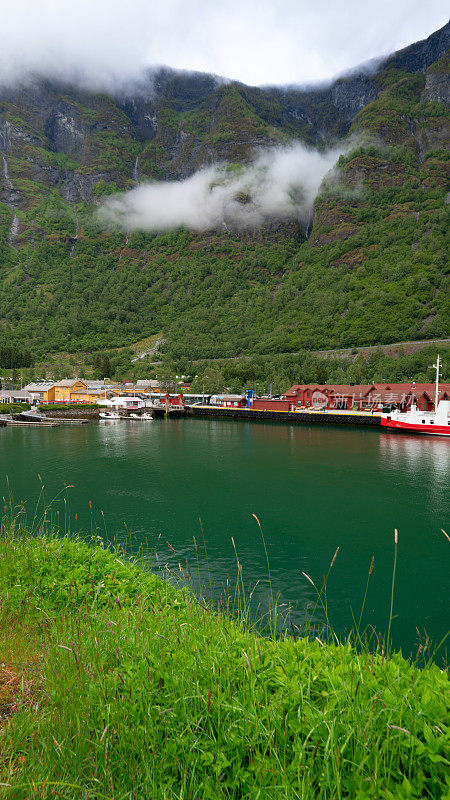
(437,89)
(419,56)
(175,123)
(351,95)
(378,221)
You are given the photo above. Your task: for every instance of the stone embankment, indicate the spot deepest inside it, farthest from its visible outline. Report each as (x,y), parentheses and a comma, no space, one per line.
(293,417)
(74,413)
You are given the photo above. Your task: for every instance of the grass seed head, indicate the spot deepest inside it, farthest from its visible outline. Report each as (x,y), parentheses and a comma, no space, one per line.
(308,578)
(334,557)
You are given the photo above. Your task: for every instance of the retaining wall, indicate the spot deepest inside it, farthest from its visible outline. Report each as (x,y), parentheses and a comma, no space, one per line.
(73,413)
(293,417)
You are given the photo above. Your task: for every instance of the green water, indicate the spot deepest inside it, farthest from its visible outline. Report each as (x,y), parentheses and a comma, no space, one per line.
(313,489)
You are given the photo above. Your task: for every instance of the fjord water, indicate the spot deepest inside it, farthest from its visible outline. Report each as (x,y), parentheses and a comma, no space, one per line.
(313,489)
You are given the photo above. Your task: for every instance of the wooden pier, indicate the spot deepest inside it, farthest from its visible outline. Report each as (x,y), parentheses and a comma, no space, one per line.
(29,424)
(41,419)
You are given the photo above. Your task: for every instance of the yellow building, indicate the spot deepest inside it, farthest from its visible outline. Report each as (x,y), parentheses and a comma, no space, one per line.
(43,392)
(75,390)
(65,390)
(88,395)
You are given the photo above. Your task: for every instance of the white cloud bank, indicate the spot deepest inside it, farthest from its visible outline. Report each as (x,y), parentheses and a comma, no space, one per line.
(102,42)
(281,183)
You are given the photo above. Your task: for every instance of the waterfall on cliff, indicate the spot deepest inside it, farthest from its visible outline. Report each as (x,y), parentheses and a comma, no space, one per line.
(14,227)
(135,170)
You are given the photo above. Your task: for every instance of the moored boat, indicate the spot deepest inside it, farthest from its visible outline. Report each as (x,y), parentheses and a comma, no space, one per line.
(109,415)
(436,423)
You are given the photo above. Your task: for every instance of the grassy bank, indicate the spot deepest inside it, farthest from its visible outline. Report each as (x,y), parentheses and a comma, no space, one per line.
(114,684)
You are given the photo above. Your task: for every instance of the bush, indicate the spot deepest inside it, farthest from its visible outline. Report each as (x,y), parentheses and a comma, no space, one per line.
(13,408)
(67,406)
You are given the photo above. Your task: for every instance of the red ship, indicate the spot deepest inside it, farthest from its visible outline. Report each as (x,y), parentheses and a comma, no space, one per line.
(436,423)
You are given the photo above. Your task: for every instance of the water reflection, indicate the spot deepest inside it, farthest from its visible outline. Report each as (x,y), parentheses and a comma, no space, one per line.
(409,450)
(313,488)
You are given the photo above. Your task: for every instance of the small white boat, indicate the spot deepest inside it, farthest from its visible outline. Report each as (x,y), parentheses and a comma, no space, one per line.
(146,416)
(109,415)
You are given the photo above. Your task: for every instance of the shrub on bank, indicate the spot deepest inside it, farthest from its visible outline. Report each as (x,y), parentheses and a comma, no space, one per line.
(143,690)
(13,408)
(67,406)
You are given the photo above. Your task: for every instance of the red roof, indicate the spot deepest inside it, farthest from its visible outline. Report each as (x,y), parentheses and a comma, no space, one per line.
(393,391)
(299,387)
(346,389)
(397,391)
(331,389)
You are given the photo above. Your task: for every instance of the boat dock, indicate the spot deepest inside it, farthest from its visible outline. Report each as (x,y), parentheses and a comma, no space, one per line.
(27,424)
(294,417)
(27,419)
(41,419)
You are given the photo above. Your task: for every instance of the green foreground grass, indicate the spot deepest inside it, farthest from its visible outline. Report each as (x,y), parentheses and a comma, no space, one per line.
(131,688)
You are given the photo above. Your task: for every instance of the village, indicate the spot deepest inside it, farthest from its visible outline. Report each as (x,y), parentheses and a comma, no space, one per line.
(371,398)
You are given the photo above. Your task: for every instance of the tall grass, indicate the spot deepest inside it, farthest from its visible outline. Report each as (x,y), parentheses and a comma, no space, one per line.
(142,690)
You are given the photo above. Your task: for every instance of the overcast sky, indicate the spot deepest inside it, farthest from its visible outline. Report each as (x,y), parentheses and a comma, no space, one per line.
(254,41)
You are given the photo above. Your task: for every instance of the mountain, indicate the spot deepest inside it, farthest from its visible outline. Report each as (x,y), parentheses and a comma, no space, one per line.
(369,267)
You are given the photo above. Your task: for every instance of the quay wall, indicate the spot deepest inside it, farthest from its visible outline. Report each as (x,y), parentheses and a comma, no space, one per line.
(74,413)
(293,417)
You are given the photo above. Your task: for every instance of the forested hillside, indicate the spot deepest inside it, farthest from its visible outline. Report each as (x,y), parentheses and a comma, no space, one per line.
(368,267)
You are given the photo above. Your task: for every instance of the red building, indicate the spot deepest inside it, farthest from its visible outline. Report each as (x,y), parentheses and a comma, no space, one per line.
(300,394)
(365,396)
(169,402)
(229,400)
(331,396)
(269,404)
(403,395)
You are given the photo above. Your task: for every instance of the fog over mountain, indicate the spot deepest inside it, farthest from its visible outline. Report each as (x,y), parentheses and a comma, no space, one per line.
(281,182)
(103,43)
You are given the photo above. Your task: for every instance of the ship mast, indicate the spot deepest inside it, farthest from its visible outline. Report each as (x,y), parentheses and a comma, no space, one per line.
(436,367)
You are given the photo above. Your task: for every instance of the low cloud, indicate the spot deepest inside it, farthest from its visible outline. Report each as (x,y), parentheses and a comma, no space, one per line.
(280,183)
(101,43)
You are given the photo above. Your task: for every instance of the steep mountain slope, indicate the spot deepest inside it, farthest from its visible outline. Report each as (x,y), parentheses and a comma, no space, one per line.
(372,269)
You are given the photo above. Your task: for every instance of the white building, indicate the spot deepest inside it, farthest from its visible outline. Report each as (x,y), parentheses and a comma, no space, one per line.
(127,402)
(15,396)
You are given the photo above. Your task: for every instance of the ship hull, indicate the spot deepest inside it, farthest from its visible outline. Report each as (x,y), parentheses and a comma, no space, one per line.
(414,427)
